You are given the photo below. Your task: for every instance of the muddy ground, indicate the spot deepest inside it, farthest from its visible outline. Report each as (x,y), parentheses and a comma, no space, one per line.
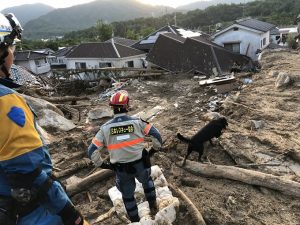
(183,106)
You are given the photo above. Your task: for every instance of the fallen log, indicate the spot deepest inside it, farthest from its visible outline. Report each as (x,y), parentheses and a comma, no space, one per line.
(246,176)
(87,182)
(194,212)
(74,156)
(65,99)
(74,168)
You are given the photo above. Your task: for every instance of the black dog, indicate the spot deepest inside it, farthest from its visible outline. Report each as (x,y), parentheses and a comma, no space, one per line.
(213,129)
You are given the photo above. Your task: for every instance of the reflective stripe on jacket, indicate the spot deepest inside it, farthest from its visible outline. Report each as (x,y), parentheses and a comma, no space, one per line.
(123,137)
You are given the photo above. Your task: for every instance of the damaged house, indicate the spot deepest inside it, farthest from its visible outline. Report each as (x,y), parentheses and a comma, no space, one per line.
(58,59)
(35,62)
(104,54)
(148,42)
(245,36)
(177,54)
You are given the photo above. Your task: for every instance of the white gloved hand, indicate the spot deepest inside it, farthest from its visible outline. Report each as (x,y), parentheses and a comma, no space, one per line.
(96,158)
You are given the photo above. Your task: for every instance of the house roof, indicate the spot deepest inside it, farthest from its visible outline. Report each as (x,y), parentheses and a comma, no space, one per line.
(122,41)
(274,31)
(47,51)
(148,42)
(255,24)
(28,55)
(195,53)
(63,52)
(103,50)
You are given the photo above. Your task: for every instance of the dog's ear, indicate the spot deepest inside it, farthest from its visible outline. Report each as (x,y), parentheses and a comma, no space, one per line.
(224,122)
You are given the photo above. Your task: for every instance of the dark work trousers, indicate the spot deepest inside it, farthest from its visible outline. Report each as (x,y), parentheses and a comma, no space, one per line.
(126,184)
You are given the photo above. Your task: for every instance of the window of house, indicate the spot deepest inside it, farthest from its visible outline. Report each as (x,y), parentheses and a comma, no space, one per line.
(45,60)
(130,64)
(104,64)
(235,28)
(264,41)
(80,65)
(37,62)
(234,47)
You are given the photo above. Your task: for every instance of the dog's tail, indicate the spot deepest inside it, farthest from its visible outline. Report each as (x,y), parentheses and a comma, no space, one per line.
(180,137)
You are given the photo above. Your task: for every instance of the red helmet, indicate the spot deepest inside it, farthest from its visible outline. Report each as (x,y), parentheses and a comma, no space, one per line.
(120,98)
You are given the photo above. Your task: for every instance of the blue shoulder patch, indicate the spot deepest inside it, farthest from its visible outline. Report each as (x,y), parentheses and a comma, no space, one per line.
(17,115)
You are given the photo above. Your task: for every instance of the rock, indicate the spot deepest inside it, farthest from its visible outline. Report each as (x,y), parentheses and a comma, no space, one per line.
(211,116)
(283,80)
(99,113)
(256,124)
(50,119)
(148,114)
(273,73)
(39,105)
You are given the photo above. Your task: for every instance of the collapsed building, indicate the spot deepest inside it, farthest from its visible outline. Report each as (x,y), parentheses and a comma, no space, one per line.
(194,54)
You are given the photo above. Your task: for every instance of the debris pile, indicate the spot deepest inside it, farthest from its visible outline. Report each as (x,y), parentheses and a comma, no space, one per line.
(236,183)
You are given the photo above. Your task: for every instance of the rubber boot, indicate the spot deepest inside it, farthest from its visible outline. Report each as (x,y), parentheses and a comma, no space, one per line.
(135,218)
(153,208)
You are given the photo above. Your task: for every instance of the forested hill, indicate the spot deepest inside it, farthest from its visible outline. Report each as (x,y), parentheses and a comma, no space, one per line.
(60,21)
(205,4)
(28,12)
(278,12)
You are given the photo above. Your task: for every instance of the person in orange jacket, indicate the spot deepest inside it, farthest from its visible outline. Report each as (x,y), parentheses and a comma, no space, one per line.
(123,137)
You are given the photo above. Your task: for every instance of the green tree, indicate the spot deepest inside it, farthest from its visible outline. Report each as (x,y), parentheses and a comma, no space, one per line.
(103,31)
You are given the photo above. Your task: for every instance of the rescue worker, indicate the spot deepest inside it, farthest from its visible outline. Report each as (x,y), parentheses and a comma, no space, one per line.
(28,194)
(123,137)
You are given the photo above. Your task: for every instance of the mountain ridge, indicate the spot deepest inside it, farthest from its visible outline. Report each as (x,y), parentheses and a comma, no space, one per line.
(60,21)
(28,12)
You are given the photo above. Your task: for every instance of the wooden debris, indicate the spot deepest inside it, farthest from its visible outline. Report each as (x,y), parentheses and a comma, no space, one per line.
(71,158)
(89,196)
(246,176)
(194,212)
(105,216)
(74,168)
(65,99)
(86,183)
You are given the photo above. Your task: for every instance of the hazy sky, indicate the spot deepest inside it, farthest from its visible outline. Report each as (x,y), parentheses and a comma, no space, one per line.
(67,3)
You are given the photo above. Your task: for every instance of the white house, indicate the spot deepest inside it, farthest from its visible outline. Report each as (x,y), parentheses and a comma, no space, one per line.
(35,62)
(104,54)
(245,36)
